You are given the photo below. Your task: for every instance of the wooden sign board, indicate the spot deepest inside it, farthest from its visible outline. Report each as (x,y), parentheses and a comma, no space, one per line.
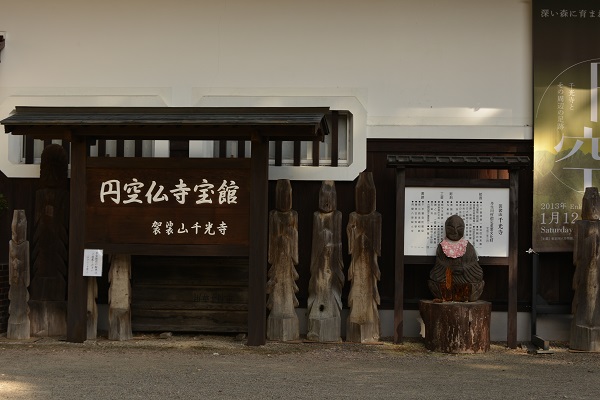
(155,201)
(484,210)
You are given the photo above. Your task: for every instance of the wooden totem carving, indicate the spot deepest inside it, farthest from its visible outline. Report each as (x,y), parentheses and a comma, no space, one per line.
(456,275)
(18,275)
(50,246)
(282,323)
(585,326)
(364,244)
(119,298)
(326,269)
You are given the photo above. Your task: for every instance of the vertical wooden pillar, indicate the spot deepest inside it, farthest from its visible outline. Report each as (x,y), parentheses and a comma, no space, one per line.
(399,266)
(513,258)
(77,287)
(258,232)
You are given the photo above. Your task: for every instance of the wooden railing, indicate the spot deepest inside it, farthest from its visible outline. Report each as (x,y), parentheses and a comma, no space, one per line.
(318,154)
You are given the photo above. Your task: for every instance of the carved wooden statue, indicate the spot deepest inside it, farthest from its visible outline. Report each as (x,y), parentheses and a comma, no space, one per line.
(119,298)
(282,323)
(456,275)
(49,246)
(18,275)
(326,269)
(585,326)
(364,244)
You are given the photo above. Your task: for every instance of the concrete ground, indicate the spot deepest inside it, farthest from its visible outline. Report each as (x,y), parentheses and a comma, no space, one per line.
(221,367)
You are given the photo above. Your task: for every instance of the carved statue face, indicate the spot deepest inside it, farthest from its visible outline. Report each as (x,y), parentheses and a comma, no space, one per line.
(327,197)
(365,195)
(455,228)
(19,226)
(283,195)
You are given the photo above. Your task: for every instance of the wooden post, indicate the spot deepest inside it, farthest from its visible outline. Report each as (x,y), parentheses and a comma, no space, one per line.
(18,275)
(258,233)
(456,327)
(399,266)
(92,308)
(513,259)
(585,326)
(119,298)
(77,288)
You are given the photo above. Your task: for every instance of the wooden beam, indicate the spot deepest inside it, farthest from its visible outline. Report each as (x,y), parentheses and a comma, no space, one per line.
(278,153)
(297,152)
(29,150)
(315,153)
(513,256)
(120,148)
(101,148)
(257,271)
(77,288)
(139,148)
(241,148)
(334,138)
(399,256)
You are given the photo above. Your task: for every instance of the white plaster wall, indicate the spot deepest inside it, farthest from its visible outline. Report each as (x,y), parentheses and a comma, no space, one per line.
(429,69)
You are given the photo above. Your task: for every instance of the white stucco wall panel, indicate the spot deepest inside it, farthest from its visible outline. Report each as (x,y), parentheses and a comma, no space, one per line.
(436,68)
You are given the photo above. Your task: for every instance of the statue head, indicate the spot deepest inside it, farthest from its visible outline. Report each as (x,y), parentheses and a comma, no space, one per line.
(54,167)
(365,195)
(283,195)
(19,226)
(590,205)
(327,197)
(455,228)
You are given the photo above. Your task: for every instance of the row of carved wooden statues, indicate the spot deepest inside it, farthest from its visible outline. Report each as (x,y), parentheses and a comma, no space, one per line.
(19,320)
(326,267)
(45,313)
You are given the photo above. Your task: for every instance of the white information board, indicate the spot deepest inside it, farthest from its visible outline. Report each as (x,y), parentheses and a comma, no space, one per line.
(92,262)
(484,210)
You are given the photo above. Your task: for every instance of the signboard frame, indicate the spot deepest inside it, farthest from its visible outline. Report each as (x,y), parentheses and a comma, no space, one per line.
(150,217)
(484,211)
(513,165)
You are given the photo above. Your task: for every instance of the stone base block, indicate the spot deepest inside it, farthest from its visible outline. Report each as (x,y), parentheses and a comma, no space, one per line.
(585,338)
(452,327)
(362,333)
(324,329)
(283,329)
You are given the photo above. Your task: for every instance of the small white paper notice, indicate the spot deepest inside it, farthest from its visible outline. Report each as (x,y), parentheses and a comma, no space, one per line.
(92,262)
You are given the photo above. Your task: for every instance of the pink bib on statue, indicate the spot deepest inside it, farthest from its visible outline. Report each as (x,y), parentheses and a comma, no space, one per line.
(454,249)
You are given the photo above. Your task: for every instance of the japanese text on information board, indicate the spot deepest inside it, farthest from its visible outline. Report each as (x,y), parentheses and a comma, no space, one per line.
(485,212)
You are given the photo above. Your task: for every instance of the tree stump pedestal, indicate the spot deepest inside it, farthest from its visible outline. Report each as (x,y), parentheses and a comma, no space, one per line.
(456,327)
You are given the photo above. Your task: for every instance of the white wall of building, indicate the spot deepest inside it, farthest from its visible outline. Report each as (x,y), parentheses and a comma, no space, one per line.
(406,69)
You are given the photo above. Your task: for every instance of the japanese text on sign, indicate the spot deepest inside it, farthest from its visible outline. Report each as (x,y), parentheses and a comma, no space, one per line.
(138,192)
(483,210)
(169,228)
(569,13)
(92,262)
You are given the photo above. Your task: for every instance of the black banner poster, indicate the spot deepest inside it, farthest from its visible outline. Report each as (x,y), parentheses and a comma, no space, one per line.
(566,70)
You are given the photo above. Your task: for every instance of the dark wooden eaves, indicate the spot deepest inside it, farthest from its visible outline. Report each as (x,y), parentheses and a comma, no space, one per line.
(481,162)
(230,123)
